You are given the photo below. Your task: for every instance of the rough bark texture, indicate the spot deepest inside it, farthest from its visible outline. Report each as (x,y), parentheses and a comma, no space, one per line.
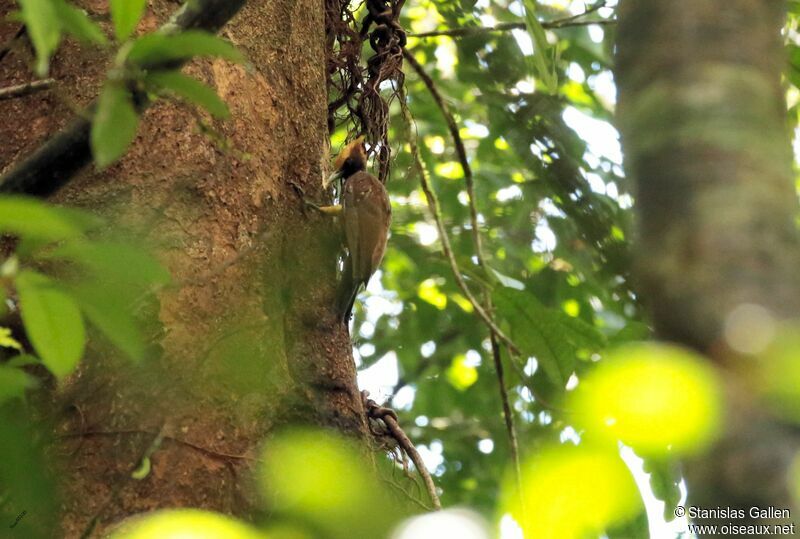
(247,338)
(702,115)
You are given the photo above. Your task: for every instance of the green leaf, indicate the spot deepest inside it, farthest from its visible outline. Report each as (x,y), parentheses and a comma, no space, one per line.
(52,321)
(190,90)
(113,262)
(44,29)
(665,479)
(550,335)
(77,22)
(114,125)
(505,280)
(153,48)
(28,217)
(23,360)
(126,14)
(110,313)
(13,383)
(543,55)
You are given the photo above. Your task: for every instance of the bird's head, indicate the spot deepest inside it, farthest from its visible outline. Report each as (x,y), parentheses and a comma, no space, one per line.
(351,159)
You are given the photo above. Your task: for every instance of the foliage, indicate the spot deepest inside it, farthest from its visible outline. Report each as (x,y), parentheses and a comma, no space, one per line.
(102,281)
(143,66)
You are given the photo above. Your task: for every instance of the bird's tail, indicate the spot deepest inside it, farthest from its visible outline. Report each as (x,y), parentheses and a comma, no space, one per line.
(348,290)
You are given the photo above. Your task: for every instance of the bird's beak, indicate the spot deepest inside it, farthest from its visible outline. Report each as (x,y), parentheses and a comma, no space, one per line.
(332,178)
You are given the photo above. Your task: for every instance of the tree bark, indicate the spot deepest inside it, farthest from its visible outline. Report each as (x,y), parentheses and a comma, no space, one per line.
(246,338)
(703,119)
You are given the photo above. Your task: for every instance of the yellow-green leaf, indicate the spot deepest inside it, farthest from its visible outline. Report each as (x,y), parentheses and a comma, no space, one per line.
(52,321)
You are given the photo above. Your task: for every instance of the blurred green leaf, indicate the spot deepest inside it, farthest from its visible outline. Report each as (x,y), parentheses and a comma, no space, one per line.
(76,22)
(126,15)
(52,321)
(665,480)
(28,217)
(114,125)
(23,360)
(13,383)
(44,29)
(191,90)
(153,48)
(543,53)
(113,262)
(27,491)
(185,523)
(111,313)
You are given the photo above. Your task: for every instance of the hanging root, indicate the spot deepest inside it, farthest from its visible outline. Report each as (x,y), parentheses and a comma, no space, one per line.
(359,99)
(389,418)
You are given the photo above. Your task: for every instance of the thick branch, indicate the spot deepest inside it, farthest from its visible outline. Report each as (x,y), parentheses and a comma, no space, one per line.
(54,163)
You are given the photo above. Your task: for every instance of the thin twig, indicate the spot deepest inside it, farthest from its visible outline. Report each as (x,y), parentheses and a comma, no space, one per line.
(407,494)
(566,22)
(476,238)
(20,90)
(511,431)
(6,48)
(433,205)
(505,27)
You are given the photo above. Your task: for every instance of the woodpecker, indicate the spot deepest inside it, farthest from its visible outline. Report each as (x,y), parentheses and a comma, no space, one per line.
(366,216)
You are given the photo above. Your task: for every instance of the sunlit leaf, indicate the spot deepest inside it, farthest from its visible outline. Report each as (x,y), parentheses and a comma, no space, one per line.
(321,478)
(186,523)
(657,399)
(461,374)
(52,321)
(7,341)
(573,492)
(429,291)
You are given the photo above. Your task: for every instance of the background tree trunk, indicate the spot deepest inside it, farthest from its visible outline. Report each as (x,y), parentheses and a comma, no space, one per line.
(246,339)
(703,118)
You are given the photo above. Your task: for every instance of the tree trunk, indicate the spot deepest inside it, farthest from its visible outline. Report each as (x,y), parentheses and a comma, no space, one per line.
(703,118)
(246,339)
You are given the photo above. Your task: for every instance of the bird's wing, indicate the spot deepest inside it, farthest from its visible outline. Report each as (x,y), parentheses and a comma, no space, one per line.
(367,222)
